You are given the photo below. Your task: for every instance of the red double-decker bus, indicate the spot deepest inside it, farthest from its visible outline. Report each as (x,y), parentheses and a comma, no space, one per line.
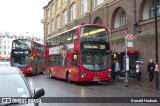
(28,56)
(80,54)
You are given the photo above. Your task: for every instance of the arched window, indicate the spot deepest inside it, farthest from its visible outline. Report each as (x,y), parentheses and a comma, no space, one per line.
(123,20)
(64,17)
(84,6)
(52,8)
(98,21)
(98,2)
(52,25)
(73,11)
(120,18)
(48,12)
(58,3)
(48,26)
(58,21)
(152,10)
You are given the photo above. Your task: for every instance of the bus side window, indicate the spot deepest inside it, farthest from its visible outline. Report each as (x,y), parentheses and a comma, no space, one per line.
(51,42)
(63,39)
(55,41)
(59,40)
(74,35)
(75,59)
(69,37)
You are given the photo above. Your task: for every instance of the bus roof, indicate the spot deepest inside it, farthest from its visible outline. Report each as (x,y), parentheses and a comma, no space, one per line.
(64,32)
(76,28)
(29,40)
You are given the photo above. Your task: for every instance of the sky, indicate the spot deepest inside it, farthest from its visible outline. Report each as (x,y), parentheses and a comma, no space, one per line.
(22,17)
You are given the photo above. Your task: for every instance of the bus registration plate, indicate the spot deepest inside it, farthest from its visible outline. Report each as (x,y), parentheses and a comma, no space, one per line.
(96,79)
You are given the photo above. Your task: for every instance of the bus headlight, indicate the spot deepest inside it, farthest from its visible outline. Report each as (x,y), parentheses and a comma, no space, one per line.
(83,75)
(109,74)
(110,70)
(30,69)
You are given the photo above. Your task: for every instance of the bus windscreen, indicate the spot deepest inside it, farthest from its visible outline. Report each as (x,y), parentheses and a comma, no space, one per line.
(96,61)
(95,49)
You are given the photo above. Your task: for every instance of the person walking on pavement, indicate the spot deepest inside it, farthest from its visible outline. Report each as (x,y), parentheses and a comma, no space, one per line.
(113,73)
(138,71)
(117,69)
(150,69)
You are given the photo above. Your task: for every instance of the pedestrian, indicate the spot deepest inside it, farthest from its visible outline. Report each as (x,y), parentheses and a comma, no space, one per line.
(138,71)
(113,73)
(151,69)
(157,67)
(117,69)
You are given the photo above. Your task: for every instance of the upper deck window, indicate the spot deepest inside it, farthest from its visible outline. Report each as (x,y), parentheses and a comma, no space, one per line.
(21,44)
(93,33)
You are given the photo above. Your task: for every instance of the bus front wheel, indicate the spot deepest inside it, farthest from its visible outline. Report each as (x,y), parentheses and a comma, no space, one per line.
(68,78)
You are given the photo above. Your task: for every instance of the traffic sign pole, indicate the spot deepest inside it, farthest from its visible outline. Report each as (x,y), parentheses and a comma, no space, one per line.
(126,63)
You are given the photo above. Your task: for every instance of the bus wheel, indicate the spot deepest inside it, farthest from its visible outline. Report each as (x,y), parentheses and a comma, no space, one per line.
(68,78)
(50,74)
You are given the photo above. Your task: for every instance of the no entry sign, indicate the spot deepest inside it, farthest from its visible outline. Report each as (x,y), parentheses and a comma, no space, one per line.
(129,36)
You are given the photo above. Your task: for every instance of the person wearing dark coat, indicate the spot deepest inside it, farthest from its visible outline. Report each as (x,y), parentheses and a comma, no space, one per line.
(150,69)
(113,73)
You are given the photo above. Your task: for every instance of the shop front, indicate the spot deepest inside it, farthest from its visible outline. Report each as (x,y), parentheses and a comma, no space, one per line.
(133,56)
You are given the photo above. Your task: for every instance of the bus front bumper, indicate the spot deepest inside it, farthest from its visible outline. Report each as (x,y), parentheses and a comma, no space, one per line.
(26,71)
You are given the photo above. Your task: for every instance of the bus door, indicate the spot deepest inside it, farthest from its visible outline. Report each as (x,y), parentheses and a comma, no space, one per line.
(69,60)
(76,66)
(72,65)
(72,60)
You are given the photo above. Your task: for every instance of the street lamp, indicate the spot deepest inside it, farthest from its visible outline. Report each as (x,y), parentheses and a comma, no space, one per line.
(156,43)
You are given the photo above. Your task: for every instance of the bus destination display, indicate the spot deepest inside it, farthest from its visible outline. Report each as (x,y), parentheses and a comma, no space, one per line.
(94,46)
(21,52)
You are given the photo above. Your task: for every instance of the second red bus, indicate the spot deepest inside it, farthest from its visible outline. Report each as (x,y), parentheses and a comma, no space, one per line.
(28,56)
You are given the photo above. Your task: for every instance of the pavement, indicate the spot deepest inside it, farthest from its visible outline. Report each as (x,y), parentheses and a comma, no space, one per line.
(142,85)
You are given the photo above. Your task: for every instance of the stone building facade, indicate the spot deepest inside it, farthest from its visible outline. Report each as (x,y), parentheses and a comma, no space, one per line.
(133,16)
